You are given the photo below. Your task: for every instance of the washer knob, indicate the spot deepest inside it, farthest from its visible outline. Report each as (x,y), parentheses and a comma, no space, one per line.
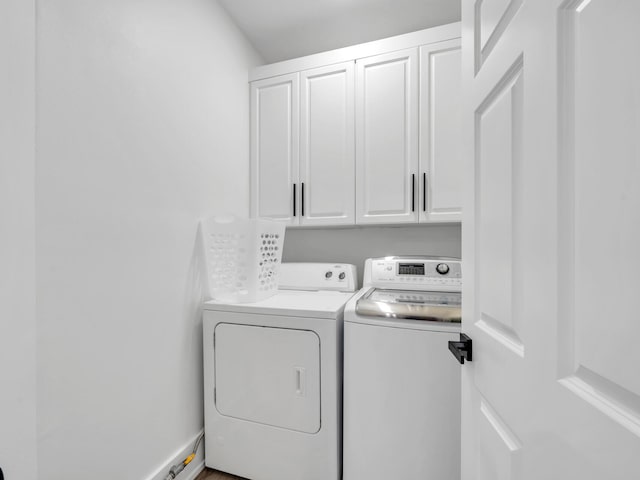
(342,275)
(329,274)
(442,268)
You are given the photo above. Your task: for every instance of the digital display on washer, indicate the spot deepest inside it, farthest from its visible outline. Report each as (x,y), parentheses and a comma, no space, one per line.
(411,269)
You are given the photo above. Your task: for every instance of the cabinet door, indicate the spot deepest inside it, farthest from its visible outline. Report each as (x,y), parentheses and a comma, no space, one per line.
(327,153)
(274,148)
(440,130)
(387,138)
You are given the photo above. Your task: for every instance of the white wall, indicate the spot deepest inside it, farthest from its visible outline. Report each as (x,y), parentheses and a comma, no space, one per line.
(355,245)
(17,281)
(142,130)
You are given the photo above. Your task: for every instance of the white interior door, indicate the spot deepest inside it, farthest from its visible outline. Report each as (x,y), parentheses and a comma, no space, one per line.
(550,239)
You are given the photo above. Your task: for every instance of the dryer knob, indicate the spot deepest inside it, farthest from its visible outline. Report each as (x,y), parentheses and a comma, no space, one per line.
(442,268)
(342,275)
(329,274)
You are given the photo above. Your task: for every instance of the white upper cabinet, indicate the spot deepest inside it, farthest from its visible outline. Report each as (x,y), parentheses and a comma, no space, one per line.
(440,127)
(368,134)
(274,147)
(387,137)
(327,153)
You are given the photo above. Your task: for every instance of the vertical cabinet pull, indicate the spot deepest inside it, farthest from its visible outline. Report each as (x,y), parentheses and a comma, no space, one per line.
(294,199)
(413,192)
(302,199)
(424,192)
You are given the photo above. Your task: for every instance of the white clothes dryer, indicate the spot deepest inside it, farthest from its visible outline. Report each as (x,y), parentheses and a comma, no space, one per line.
(401,385)
(273,378)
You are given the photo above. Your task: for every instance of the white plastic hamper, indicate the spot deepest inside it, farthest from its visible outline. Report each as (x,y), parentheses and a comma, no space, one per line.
(243,258)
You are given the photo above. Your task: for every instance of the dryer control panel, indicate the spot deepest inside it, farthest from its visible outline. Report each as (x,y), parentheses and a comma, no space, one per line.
(340,277)
(414,273)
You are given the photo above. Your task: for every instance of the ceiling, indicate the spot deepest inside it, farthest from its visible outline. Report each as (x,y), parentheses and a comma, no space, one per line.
(284,29)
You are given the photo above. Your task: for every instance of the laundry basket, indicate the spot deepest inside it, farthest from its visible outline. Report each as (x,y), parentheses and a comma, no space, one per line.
(242,258)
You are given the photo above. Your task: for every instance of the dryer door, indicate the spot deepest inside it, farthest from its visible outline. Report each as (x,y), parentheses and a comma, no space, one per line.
(268,375)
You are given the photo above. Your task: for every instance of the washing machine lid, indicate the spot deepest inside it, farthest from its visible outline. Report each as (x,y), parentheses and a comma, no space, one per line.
(442,307)
(293,303)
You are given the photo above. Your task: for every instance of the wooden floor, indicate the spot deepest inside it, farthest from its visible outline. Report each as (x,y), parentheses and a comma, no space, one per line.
(208,474)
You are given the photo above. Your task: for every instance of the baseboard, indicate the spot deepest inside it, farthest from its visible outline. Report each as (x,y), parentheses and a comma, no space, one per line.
(191,471)
(195,471)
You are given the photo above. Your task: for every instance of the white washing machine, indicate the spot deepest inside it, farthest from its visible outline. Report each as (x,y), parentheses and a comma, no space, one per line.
(273,377)
(401,384)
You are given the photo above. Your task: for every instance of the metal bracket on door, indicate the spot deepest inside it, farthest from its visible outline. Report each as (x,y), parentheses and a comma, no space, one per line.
(463,349)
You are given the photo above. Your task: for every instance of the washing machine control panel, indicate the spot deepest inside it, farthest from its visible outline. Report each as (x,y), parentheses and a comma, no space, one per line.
(414,273)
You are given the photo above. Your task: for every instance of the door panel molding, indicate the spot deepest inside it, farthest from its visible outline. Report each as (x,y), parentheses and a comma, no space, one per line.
(496,442)
(589,355)
(495,22)
(501,333)
(495,232)
(621,405)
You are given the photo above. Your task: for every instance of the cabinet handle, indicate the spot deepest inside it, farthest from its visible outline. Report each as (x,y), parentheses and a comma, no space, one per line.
(424,192)
(413,192)
(302,199)
(294,199)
